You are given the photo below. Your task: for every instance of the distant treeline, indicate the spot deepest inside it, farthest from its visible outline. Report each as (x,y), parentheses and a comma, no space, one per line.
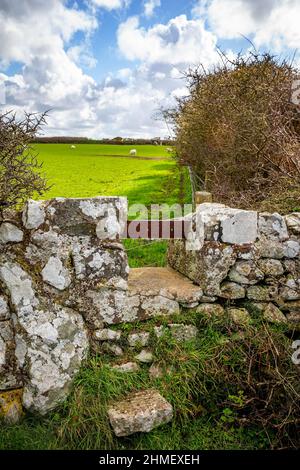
(114,141)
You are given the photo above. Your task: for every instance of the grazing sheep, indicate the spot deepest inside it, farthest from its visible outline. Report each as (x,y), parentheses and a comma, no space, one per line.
(169,150)
(73,146)
(133,152)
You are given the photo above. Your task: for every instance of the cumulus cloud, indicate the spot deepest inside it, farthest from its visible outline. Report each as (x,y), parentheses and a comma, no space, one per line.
(179,41)
(111,4)
(271,23)
(150,6)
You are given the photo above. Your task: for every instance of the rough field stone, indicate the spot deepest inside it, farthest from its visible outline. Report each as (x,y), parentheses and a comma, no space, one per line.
(140,412)
(245,272)
(271,267)
(11,406)
(240,316)
(293,222)
(138,339)
(273,315)
(232,290)
(127,367)
(210,310)
(144,356)
(182,332)
(107,335)
(262,293)
(273,226)
(9,233)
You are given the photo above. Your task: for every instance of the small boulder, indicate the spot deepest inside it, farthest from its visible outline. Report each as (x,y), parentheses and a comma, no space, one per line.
(138,339)
(107,335)
(240,316)
(231,290)
(9,233)
(273,315)
(182,332)
(127,367)
(211,310)
(140,412)
(293,222)
(145,356)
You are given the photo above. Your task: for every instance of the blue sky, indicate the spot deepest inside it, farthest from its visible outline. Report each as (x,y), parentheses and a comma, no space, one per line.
(104,67)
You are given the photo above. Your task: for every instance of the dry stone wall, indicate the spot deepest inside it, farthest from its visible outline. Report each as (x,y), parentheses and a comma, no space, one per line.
(65,286)
(239,256)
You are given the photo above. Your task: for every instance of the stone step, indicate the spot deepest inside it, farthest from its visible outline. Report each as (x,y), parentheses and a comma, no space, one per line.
(164,282)
(140,412)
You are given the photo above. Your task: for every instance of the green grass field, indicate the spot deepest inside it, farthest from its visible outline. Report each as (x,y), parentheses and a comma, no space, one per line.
(88,171)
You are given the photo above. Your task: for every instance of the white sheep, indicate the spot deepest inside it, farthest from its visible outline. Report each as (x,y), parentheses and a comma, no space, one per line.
(133,152)
(169,150)
(73,146)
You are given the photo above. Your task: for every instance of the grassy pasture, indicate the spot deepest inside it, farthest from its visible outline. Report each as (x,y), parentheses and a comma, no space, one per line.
(88,171)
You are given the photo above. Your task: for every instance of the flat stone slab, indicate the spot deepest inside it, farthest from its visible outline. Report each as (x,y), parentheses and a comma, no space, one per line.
(140,412)
(163,282)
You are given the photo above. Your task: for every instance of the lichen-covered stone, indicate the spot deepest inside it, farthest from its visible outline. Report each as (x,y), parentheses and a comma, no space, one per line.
(140,412)
(210,310)
(273,315)
(207,267)
(9,233)
(240,316)
(291,249)
(144,356)
(56,274)
(239,227)
(293,222)
(271,267)
(290,289)
(33,214)
(10,376)
(11,406)
(116,306)
(183,332)
(262,293)
(272,226)
(245,272)
(232,290)
(138,339)
(107,335)
(4,309)
(112,349)
(267,248)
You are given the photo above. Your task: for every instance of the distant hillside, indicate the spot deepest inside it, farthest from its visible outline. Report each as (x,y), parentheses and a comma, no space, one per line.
(115,140)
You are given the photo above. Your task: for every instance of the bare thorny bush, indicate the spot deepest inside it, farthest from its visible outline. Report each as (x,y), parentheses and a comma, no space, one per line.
(239,131)
(20,171)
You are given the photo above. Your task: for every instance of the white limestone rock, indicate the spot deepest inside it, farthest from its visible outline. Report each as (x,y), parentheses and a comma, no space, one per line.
(107,335)
(33,214)
(272,226)
(138,339)
(291,249)
(55,274)
(9,233)
(139,412)
(240,227)
(144,356)
(4,309)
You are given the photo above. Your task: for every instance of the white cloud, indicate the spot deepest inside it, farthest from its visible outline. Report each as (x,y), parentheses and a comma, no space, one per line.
(111,4)
(179,41)
(149,7)
(271,23)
